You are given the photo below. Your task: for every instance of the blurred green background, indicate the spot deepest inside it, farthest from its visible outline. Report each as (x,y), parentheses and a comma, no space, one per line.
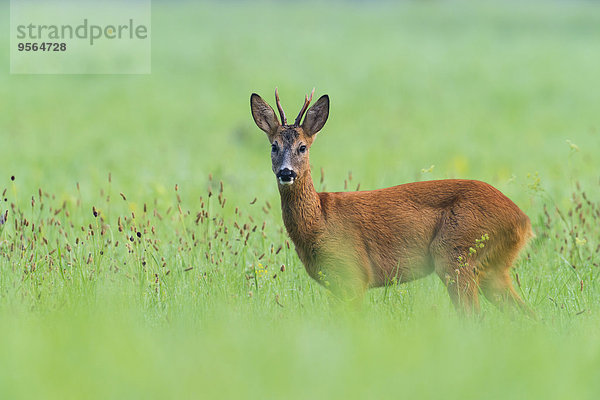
(502,92)
(480,91)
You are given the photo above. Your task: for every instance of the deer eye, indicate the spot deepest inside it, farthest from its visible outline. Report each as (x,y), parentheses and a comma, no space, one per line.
(274,148)
(302,149)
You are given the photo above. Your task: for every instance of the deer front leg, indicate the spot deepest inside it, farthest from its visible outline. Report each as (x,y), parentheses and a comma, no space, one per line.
(346,279)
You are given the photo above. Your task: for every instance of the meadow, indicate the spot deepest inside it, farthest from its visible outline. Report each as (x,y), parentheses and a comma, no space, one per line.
(142,252)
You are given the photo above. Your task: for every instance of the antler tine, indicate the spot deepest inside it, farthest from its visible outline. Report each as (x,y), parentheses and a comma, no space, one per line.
(281,113)
(307,101)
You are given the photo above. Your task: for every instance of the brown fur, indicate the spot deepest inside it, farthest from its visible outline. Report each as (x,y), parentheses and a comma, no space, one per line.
(352,241)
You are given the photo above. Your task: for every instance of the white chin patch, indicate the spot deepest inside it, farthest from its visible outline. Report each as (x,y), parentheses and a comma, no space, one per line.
(286,182)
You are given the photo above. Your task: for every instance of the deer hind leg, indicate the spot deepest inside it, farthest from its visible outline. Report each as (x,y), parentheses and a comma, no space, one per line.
(496,286)
(462,284)
(495,281)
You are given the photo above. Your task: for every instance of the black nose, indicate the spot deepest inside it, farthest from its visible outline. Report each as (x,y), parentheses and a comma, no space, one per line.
(286,175)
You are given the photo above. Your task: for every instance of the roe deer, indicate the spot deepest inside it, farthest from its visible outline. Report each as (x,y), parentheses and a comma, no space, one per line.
(466,231)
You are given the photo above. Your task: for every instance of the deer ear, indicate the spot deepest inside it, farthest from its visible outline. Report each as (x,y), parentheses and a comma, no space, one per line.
(263,115)
(316,116)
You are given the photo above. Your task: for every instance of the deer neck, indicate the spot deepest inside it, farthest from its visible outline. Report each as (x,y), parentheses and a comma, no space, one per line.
(301,209)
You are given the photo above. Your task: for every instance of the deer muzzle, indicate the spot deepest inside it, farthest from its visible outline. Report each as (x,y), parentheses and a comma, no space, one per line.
(286,176)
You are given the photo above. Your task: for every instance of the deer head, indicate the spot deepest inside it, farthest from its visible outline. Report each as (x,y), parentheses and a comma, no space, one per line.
(290,142)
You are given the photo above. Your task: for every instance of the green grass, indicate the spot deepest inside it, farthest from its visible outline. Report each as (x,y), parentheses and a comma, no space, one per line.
(198,306)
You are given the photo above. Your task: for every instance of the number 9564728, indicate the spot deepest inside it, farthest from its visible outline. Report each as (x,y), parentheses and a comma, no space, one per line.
(44,46)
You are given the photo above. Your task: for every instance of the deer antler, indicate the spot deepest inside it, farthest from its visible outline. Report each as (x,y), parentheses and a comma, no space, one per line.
(281,113)
(307,101)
